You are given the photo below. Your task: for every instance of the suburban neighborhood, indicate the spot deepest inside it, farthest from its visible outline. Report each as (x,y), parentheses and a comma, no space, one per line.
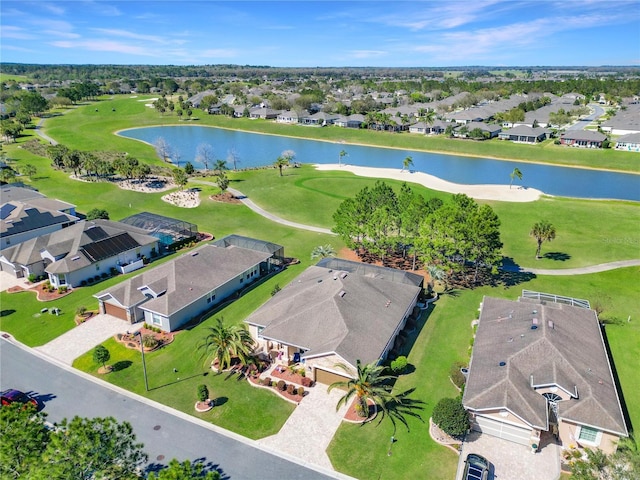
(406,268)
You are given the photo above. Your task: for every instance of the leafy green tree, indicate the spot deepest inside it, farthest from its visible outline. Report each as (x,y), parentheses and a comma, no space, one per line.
(180,177)
(407,163)
(28,170)
(370,383)
(223,181)
(7,175)
(141,171)
(542,231)
(220,166)
(223,342)
(33,103)
(73,161)
(87,449)
(10,130)
(515,174)
(57,153)
(323,251)
(24,438)
(101,355)
(188,168)
(97,213)
(184,471)
(450,415)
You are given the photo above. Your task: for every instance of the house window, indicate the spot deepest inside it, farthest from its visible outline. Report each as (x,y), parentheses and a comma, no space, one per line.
(156,319)
(589,436)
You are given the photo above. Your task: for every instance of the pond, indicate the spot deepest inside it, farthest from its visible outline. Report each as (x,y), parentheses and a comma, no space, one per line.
(255,150)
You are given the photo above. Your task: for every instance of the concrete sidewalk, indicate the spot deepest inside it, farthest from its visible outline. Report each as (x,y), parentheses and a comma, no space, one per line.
(310,428)
(79,340)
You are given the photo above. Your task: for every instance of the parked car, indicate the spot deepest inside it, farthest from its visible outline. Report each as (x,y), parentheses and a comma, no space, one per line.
(8,397)
(476,467)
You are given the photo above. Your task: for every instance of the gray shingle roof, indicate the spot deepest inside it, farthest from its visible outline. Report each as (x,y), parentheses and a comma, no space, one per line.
(186,278)
(326,310)
(568,353)
(24,218)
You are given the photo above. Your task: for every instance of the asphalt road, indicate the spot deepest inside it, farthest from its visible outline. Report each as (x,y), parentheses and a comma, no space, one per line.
(165,434)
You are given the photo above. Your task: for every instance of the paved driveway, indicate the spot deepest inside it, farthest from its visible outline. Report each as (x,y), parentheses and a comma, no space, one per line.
(69,346)
(510,461)
(7,281)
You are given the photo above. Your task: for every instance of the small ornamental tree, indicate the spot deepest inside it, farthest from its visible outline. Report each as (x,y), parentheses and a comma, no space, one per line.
(450,415)
(399,365)
(97,213)
(203,393)
(101,355)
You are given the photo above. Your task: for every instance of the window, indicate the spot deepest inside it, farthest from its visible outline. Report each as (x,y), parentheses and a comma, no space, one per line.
(590,436)
(156,319)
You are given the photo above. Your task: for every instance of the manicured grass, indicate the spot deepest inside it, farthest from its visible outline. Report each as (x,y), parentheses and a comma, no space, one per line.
(361,451)
(86,129)
(240,407)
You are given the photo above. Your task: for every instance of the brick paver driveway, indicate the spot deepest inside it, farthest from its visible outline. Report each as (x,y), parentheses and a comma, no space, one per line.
(510,461)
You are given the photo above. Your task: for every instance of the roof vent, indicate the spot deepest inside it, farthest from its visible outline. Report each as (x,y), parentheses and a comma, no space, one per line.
(76,258)
(550,324)
(319,280)
(193,254)
(342,293)
(502,364)
(343,274)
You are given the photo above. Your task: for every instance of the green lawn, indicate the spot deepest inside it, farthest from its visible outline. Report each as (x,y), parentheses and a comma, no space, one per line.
(88,129)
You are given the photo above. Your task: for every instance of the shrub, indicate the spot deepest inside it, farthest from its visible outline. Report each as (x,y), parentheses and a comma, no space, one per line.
(90,280)
(291,389)
(104,275)
(32,277)
(83,283)
(81,310)
(203,393)
(274,384)
(450,415)
(456,375)
(306,382)
(149,341)
(145,325)
(113,271)
(399,365)
(301,391)
(267,381)
(281,385)
(96,278)
(275,290)
(62,289)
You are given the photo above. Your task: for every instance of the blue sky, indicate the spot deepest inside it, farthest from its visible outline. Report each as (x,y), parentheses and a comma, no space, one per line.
(305,33)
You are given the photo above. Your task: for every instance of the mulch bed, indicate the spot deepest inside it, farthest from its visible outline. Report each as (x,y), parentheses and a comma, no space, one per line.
(283,393)
(42,294)
(225,197)
(288,377)
(133,342)
(352,414)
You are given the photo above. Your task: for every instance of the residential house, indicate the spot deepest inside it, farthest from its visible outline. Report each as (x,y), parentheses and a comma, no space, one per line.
(420,127)
(624,122)
(337,311)
(351,121)
(263,113)
(289,117)
(583,138)
(629,143)
(169,231)
(489,131)
(27,214)
(174,293)
(82,252)
(319,119)
(525,134)
(540,367)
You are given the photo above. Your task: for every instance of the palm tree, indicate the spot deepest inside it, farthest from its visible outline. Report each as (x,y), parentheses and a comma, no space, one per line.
(543,231)
(219,166)
(516,173)
(436,274)
(226,341)
(341,154)
(370,384)
(281,162)
(407,162)
(323,251)
(399,406)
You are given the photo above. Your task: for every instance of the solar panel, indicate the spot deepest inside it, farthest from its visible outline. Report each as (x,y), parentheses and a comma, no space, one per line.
(6,210)
(110,247)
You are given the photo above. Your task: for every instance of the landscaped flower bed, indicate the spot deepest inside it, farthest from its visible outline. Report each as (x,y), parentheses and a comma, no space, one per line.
(289,391)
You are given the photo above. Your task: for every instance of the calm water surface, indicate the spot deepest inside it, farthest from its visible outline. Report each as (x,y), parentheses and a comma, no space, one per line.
(255,150)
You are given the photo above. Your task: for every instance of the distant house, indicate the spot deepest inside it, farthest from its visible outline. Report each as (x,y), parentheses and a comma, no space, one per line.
(489,131)
(420,127)
(624,122)
(337,311)
(583,138)
(80,252)
(319,119)
(26,214)
(436,128)
(540,367)
(629,143)
(174,293)
(351,121)
(525,134)
(288,116)
(263,113)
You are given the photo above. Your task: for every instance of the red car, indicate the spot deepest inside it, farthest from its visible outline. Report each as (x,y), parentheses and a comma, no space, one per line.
(12,396)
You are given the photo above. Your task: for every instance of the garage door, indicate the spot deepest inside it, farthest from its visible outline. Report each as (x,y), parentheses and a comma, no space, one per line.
(118,312)
(503,430)
(327,378)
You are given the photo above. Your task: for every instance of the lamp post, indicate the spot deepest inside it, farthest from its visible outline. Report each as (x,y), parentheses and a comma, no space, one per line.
(144,365)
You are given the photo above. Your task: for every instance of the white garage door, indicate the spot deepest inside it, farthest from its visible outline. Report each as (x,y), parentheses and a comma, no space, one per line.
(503,430)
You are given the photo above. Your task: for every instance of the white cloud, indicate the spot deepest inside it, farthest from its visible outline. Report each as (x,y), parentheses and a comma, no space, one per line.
(16,33)
(127,34)
(107,46)
(367,54)
(51,8)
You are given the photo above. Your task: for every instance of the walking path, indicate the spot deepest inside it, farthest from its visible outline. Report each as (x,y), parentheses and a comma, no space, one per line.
(602,267)
(309,429)
(43,135)
(86,336)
